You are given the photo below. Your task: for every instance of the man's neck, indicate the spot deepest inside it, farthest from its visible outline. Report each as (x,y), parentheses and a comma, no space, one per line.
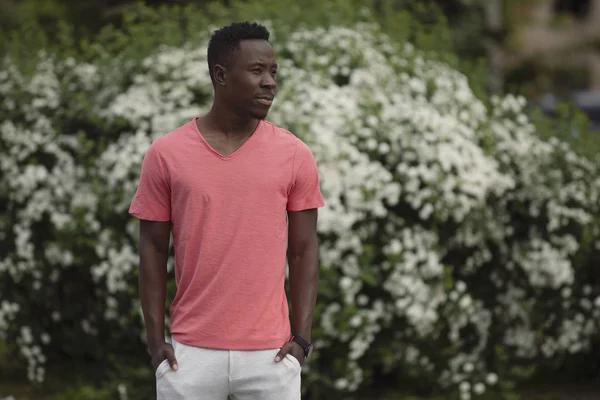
(224,122)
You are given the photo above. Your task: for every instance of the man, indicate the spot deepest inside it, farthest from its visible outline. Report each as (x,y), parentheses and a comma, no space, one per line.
(237,194)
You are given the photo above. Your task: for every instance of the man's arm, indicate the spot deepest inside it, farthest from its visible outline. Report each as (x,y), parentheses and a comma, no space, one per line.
(303,261)
(154,253)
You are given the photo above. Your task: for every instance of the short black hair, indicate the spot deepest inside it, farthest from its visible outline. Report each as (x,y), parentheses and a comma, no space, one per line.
(226,40)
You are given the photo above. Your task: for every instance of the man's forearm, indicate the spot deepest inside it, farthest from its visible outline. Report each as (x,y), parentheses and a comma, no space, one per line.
(304,278)
(153,289)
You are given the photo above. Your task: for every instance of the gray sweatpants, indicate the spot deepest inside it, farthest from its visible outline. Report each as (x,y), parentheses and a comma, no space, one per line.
(207,374)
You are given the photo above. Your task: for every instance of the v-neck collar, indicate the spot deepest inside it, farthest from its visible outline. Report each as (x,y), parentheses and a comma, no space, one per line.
(246,143)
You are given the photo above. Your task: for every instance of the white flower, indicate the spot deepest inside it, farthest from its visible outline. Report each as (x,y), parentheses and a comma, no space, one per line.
(465,387)
(122,389)
(491,379)
(479,388)
(341,383)
(469,367)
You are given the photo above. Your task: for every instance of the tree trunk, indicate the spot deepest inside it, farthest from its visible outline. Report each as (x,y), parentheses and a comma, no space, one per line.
(493,19)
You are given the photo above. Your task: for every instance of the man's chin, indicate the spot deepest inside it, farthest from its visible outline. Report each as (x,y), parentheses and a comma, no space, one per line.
(259,116)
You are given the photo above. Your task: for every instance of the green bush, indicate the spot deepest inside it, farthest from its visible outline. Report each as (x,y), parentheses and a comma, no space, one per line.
(457,247)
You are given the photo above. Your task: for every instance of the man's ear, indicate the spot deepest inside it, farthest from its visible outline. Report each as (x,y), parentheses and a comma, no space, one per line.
(219,74)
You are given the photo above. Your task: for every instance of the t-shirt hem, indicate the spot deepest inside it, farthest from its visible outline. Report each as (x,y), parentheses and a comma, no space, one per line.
(145,217)
(305,206)
(242,345)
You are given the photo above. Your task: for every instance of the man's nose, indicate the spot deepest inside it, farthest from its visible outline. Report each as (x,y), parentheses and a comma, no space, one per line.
(269,81)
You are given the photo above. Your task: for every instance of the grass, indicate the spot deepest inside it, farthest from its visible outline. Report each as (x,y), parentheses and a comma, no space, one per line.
(24,391)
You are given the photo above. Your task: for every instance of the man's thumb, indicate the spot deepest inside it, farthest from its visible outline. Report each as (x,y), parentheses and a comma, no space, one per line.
(281,354)
(172,360)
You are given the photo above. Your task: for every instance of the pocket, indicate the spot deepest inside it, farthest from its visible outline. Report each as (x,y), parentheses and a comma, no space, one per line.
(293,360)
(162,369)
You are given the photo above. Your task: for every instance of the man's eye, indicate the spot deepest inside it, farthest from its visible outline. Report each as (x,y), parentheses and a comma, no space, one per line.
(256,70)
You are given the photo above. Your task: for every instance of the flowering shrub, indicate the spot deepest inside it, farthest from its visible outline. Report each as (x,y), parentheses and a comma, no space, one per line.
(455,244)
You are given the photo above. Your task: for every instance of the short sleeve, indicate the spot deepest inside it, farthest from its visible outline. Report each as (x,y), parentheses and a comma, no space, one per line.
(152,200)
(305,191)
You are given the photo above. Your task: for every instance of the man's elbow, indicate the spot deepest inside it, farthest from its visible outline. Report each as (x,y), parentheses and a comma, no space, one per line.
(303,251)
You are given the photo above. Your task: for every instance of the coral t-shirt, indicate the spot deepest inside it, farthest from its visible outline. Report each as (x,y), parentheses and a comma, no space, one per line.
(228,219)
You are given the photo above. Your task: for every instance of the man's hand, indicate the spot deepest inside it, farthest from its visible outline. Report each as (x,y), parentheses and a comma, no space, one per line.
(163,352)
(292,348)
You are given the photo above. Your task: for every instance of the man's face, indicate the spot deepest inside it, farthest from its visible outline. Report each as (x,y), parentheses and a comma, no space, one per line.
(250,78)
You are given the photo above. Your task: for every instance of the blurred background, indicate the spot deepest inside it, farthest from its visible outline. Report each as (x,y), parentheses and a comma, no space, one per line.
(547,50)
(54,275)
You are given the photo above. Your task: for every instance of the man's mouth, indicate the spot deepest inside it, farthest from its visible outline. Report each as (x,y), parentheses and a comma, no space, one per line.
(265,100)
